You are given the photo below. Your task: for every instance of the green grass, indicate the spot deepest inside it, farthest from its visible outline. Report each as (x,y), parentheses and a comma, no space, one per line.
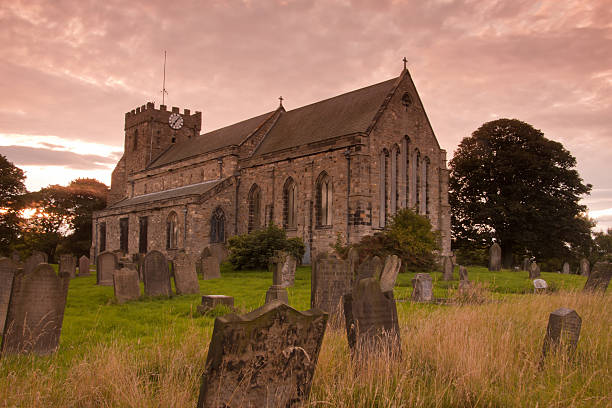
(151,352)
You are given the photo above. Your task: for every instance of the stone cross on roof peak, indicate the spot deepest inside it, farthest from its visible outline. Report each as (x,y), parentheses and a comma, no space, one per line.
(280,98)
(405,61)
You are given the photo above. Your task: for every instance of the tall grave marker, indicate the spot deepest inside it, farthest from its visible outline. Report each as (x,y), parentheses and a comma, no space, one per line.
(126,284)
(83,266)
(156,275)
(8,269)
(495,254)
(185,276)
(105,266)
(330,281)
(67,264)
(599,278)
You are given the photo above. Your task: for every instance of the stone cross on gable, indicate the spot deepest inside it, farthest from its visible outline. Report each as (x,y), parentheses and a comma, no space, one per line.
(405,61)
(281,99)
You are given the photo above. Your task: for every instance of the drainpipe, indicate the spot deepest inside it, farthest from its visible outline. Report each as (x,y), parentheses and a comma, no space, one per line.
(347,154)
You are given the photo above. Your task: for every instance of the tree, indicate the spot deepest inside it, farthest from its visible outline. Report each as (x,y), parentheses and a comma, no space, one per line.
(510,183)
(12,188)
(603,246)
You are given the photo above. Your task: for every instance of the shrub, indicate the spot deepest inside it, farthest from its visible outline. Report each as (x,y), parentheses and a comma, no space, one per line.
(409,236)
(253,250)
(472,256)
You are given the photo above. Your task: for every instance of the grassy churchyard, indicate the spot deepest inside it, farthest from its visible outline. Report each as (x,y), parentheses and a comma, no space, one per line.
(152,352)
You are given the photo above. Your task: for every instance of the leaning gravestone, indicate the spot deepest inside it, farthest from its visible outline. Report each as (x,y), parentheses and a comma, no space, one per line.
(389,273)
(185,276)
(422,288)
(495,253)
(277,292)
(534,271)
(563,330)
(370,268)
(67,264)
(8,269)
(156,275)
(209,265)
(35,312)
(34,260)
(371,318)
(105,266)
(584,267)
(126,284)
(566,268)
(448,268)
(330,281)
(599,278)
(266,358)
(83,266)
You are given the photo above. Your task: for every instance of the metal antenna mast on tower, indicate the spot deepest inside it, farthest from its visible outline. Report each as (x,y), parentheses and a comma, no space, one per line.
(164,92)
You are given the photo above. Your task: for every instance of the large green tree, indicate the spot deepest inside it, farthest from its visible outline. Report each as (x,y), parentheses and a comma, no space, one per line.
(510,183)
(12,189)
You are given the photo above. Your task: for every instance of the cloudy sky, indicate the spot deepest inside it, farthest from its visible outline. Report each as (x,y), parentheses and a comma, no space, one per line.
(69,70)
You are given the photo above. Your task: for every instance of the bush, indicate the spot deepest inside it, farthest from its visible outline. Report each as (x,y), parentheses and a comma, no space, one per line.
(409,236)
(253,250)
(472,256)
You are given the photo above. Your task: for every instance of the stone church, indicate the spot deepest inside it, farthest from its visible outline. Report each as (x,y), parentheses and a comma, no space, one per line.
(341,166)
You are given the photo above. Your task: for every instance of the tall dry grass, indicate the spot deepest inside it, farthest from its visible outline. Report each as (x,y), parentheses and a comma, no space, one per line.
(452,356)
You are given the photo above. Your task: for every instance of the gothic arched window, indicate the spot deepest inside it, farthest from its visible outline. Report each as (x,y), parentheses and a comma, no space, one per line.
(425,187)
(254,201)
(290,204)
(217,226)
(324,200)
(135,146)
(383,187)
(394,180)
(172,231)
(416,180)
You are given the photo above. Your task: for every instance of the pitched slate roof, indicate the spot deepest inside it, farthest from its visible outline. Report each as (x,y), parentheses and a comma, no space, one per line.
(190,190)
(207,142)
(344,114)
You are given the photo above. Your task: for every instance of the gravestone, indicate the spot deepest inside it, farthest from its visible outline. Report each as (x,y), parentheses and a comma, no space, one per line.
(185,276)
(277,292)
(105,266)
(67,264)
(265,358)
(534,271)
(353,262)
(33,261)
(563,330)
(286,264)
(83,266)
(35,312)
(210,301)
(495,254)
(138,260)
(8,269)
(370,268)
(539,285)
(584,267)
(371,318)
(330,281)
(526,263)
(209,265)
(448,268)
(126,284)
(463,274)
(156,275)
(566,268)
(599,278)
(219,251)
(422,288)
(391,269)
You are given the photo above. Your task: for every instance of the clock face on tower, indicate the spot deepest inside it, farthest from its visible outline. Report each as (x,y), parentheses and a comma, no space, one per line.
(175,121)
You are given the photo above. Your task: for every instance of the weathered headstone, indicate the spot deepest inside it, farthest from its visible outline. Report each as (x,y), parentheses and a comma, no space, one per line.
(584,267)
(34,260)
(526,263)
(277,291)
(209,265)
(67,264)
(448,268)
(391,269)
(105,266)
(539,285)
(156,275)
(288,271)
(370,268)
(563,330)
(210,301)
(495,254)
(219,251)
(599,278)
(265,358)
(371,318)
(534,271)
(83,266)
(35,312)
(566,268)
(422,288)
(463,273)
(8,269)
(330,281)
(126,284)
(138,260)
(185,276)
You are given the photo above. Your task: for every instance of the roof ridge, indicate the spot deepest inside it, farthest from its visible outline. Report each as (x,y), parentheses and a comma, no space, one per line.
(385,102)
